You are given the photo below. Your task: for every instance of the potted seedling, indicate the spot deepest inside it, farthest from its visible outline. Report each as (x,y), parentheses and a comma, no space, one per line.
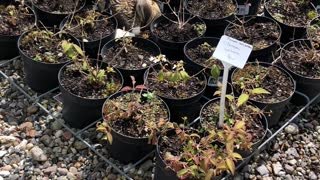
(178,84)
(52,12)
(131,55)
(198,52)
(215,13)
(15,19)
(85,84)
(262,33)
(293,16)
(172,31)
(269,87)
(132,120)
(42,53)
(187,153)
(313,30)
(92,28)
(302,59)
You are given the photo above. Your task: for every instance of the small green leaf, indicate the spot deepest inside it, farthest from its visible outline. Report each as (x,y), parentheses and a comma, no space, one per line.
(230,165)
(160,75)
(109,136)
(215,71)
(242,99)
(182,172)
(259,91)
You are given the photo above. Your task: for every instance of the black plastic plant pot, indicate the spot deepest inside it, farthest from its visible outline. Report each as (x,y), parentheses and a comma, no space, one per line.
(275,109)
(77,111)
(216,27)
(265,54)
(188,107)
(165,8)
(256,144)
(162,170)
(125,148)
(289,32)
(145,44)
(248,7)
(51,19)
(41,76)
(307,85)
(8,44)
(172,49)
(92,47)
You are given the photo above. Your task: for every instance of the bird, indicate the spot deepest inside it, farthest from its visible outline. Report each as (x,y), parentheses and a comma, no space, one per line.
(134,13)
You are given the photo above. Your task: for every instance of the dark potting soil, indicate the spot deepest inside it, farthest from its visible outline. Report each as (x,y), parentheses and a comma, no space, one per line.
(43,46)
(202,57)
(131,58)
(290,12)
(147,111)
(303,60)
(101,28)
(210,118)
(212,9)
(59,6)
(12,25)
(76,83)
(183,90)
(171,32)
(272,79)
(260,35)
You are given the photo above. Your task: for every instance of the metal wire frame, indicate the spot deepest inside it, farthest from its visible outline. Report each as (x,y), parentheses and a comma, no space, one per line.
(78,134)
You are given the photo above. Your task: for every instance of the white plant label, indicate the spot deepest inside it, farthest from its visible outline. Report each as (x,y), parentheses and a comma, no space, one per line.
(121,33)
(232,51)
(243,9)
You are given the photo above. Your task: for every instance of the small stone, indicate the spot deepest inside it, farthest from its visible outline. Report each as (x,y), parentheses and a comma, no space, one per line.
(55,125)
(46,140)
(146,165)
(277,168)
(67,135)
(4,173)
(312,176)
(32,109)
(26,126)
(6,168)
(62,171)
(38,154)
(112,177)
(2,153)
(293,152)
(73,170)
(31,133)
(292,128)
(263,170)
(292,162)
(71,176)
(79,145)
(288,177)
(29,146)
(49,170)
(13,177)
(58,133)
(289,169)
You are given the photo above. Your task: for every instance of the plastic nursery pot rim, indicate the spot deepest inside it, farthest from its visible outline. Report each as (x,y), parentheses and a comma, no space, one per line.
(266,128)
(34,24)
(194,40)
(284,63)
(130,91)
(112,18)
(203,89)
(253,17)
(64,67)
(40,62)
(105,48)
(217,19)
(157,20)
(57,13)
(266,9)
(267,65)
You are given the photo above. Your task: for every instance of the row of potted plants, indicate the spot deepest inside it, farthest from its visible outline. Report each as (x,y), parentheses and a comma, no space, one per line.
(134,117)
